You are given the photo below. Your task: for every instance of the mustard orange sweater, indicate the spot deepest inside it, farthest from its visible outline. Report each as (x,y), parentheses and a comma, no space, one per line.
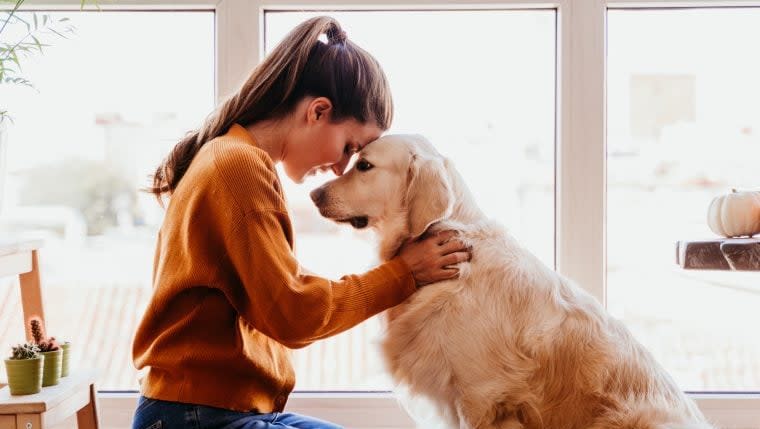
(229,298)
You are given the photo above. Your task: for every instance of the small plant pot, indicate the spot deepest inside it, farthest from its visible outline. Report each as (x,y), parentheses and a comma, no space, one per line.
(51,371)
(65,359)
(24,375)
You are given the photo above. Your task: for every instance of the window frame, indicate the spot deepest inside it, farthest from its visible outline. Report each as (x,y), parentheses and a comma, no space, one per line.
(580,192)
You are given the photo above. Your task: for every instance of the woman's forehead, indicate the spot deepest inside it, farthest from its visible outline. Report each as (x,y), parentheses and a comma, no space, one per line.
(364,134)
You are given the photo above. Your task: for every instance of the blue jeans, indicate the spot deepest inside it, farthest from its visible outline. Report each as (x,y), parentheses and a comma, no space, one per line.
(156,414)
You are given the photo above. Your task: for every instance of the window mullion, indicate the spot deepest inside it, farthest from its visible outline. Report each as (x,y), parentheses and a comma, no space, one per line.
(239,43)
(580,213)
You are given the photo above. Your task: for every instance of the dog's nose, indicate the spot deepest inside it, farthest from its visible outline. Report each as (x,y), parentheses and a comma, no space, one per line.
(318,196)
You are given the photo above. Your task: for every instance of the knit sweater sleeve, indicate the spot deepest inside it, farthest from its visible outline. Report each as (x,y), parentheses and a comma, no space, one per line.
(274,295)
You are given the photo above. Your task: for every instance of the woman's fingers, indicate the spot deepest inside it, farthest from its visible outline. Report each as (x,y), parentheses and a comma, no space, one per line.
(453,246)
(435,257)
(448,273)
(454,258)
(444,236)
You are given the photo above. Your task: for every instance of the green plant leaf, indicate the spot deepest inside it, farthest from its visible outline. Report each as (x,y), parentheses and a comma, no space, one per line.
(58,33)
(4,116)
(18,81)
(17,18)
(95,2)
(37,42)
(11,14)
(10,53)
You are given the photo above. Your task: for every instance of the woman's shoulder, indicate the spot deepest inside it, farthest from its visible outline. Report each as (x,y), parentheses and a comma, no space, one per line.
(248,173)
(232,154)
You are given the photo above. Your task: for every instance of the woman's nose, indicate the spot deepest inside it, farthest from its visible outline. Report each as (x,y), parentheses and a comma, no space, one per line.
(340,167)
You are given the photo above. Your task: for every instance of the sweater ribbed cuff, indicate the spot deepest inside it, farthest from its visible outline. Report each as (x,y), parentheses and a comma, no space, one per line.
(403,275)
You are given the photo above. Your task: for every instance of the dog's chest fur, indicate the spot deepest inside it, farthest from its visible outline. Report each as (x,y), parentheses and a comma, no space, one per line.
(475,312)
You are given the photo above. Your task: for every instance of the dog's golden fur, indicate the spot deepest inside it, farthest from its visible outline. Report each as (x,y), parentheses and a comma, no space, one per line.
(509,344)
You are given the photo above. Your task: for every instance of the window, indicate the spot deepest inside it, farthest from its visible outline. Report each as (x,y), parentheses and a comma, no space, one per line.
(484,96)
(112,99)
(683,127)
(586,143)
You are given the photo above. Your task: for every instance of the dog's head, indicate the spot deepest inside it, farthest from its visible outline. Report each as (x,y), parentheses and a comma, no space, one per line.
(399,185)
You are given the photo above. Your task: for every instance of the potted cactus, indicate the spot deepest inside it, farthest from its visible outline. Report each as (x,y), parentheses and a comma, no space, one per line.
(51,352)
(66,346)
(24,369)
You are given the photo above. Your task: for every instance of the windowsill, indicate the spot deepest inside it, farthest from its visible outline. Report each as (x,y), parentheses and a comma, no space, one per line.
(356,410)
(375,410)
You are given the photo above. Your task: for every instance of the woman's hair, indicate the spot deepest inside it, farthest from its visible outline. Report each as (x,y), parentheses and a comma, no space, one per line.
(301,65)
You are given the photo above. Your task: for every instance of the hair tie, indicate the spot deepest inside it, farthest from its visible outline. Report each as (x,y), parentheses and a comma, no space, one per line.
(338,36)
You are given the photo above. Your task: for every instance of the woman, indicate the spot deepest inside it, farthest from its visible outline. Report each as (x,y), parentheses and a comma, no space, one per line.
(230,299)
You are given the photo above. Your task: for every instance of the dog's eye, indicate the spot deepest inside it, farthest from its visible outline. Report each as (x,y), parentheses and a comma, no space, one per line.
(363,165)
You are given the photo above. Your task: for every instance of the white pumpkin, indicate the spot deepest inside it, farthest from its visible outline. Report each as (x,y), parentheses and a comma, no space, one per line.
(736,214)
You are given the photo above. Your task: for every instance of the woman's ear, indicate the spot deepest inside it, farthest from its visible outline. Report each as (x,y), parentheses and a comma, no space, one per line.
(319,108)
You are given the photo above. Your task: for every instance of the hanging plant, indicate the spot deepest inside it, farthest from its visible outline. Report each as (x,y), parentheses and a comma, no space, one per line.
(22,37)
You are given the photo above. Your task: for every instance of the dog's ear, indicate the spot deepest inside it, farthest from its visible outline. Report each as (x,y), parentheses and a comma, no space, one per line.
(430,197)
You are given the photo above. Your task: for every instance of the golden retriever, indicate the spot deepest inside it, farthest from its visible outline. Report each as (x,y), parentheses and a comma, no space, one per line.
(510,343)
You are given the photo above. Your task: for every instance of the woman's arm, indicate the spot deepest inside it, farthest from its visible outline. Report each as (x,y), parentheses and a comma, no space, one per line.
(296,308)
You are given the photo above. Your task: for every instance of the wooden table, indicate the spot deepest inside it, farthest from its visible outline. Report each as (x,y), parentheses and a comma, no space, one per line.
(735,254)
(20,257)
(74,394)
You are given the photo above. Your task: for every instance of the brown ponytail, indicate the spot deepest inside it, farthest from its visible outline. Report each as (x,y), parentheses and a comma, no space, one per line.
(301,65)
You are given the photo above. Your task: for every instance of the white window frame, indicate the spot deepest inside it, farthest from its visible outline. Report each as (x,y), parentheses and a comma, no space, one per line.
(580,249)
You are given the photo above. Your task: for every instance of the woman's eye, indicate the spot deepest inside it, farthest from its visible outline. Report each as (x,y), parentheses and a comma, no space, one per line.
(363,165)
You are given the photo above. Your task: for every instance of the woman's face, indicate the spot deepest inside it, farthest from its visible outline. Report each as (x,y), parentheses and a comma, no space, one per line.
(319,144)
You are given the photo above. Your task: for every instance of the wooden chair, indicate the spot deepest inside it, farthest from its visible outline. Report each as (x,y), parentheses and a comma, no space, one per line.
(20,257)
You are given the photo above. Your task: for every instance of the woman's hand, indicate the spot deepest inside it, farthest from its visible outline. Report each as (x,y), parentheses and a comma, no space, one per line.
(432,259)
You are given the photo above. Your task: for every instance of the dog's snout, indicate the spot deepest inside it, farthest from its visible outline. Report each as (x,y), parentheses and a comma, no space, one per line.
(318,196)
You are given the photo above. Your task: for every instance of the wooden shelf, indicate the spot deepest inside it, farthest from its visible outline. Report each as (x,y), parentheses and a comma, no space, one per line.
(49,398)
(74,394)
(730,254)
